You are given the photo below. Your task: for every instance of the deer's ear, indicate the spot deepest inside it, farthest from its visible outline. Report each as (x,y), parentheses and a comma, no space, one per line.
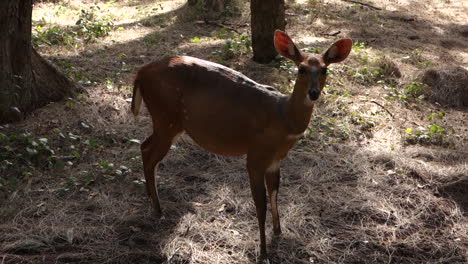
(339,51)
(286,48)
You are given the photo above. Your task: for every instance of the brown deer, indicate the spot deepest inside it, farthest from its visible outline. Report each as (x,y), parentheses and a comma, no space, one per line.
(227,113)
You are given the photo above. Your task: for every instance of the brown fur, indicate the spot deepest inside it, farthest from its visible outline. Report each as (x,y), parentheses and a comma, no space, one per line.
(227,113)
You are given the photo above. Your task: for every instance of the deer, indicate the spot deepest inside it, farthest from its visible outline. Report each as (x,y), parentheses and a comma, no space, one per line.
(226,113)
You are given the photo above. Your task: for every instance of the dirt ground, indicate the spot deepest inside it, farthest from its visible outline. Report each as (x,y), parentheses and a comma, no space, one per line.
(381,176)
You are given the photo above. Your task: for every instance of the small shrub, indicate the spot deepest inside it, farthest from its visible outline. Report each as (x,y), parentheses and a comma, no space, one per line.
(415,89)
(447,86)
(410,93)
(433,134)
(52,36)
(88,27)
(22,154)
(416,58)
(372,69)
(388,68)
(235,47)
(152,39)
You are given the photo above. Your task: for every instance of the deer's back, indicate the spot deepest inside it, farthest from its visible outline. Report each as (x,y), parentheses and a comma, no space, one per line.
(201,94)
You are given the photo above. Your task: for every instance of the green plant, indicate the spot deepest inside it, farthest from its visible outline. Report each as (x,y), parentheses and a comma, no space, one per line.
(393,92)
(90,27)
(332,92)
(332,128)
(151,39)
(52,36)
(195,40)
(87,28)
(92,143)
(416,58)
(373,69)
(364,75)
(436,115)
(107,168)
(22,154)
(415,89)
(362,51)
(363,121)
(286,67)
(234,47)
(224,34)
(152,16)
(434,133)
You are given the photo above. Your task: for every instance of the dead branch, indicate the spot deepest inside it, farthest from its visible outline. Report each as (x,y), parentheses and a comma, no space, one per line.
(383,107)
(330,34)
(218,25)
(364,4)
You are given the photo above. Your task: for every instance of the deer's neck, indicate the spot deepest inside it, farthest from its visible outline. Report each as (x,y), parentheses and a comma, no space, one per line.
(298,110)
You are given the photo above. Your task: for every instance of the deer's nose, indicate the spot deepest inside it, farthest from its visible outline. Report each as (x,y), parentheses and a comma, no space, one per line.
(314,94)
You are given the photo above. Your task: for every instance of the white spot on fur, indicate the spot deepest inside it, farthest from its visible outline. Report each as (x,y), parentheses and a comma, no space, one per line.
(308,102)
(295,136)
(273,167)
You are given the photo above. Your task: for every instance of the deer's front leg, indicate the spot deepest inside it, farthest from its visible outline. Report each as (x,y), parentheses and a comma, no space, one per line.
(257,165)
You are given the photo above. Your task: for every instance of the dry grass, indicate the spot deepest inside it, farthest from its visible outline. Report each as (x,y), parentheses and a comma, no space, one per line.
(447,86)
(353,190)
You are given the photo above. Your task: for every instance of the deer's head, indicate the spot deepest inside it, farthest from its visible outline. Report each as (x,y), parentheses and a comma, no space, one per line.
(312,68)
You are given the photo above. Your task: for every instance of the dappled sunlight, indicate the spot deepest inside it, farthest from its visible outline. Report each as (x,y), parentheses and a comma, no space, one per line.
(130,22)
(379,175)
(66,13)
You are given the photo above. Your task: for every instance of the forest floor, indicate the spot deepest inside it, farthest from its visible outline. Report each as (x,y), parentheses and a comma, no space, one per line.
(381,175)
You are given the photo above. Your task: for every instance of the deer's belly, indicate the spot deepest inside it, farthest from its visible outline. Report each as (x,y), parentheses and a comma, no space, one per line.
(219,144)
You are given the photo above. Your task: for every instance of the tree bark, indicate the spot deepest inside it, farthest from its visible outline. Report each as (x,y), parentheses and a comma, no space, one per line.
(266,17)
(27,81)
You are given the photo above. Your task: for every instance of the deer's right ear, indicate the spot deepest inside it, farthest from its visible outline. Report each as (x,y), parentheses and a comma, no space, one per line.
(286,48)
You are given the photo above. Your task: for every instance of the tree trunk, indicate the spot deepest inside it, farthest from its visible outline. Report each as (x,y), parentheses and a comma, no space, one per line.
(27,81)
(266,16)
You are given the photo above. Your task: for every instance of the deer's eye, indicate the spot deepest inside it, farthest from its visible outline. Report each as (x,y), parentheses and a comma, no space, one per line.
(302,70)
(324,71)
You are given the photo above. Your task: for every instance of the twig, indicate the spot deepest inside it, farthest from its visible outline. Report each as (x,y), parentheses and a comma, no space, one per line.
(218,25)
(383,107)
(330,34)
(364,4)
(237,25)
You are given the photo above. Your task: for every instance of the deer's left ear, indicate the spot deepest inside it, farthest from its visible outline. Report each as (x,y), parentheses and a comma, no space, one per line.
(339,51)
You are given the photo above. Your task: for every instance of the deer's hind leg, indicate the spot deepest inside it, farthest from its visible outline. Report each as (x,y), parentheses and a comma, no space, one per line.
(153,150)
(272,180)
